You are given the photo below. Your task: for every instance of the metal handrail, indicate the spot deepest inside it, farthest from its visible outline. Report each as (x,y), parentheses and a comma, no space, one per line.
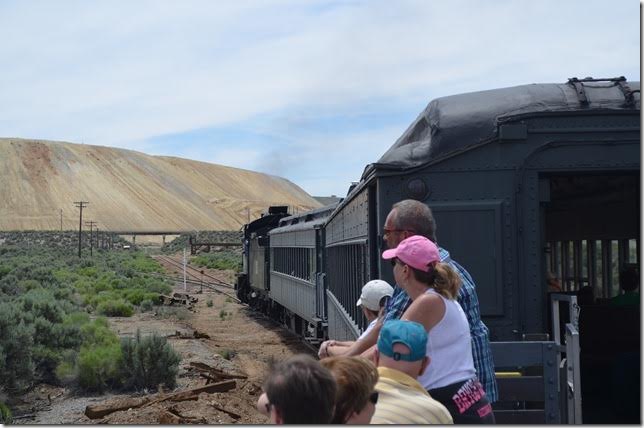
(572,349)
(573,375)
(573,307)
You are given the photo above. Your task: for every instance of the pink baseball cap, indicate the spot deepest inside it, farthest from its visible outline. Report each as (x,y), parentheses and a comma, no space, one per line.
(415,251)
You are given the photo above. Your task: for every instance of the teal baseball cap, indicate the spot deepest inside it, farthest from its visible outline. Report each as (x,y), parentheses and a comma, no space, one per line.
(408,333)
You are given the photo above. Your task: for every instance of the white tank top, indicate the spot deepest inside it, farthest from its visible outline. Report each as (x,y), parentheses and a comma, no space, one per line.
(449,345)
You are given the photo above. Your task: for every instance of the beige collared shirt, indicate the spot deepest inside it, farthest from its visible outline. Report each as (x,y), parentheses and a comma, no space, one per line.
(402,400)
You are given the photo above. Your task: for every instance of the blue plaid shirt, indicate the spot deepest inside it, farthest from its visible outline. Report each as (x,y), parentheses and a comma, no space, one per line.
(481,352)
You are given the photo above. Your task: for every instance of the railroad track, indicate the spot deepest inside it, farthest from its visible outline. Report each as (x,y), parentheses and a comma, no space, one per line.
(195,277)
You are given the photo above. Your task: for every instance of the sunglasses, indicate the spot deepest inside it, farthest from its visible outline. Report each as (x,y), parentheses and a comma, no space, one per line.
(374,397)
(394,261)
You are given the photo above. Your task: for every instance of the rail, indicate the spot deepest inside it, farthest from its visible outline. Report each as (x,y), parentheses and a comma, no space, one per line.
(571,348)
(198,278)
(573,309)
(573,375)
(531,375)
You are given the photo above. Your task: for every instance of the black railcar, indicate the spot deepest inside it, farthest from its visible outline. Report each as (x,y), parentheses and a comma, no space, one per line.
(525,182)
(296,273)
(522,181)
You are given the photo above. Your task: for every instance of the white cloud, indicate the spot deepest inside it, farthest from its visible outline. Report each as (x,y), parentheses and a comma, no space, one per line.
(119,72)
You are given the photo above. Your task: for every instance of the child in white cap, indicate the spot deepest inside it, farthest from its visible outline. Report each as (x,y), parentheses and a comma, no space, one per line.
(372,299)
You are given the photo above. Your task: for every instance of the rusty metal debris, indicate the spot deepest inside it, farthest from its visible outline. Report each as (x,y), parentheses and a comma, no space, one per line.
(179,298)
(212,374)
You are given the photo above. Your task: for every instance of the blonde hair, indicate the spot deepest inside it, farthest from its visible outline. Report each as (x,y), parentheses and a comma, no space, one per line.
(356,378)
(442,278)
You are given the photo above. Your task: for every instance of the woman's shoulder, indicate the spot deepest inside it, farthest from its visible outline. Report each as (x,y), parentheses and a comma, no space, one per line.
(430,299)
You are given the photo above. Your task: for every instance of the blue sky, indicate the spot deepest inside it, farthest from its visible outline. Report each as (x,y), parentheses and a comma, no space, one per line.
(308,90)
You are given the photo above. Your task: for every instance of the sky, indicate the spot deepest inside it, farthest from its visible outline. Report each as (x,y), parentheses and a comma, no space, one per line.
(311,91)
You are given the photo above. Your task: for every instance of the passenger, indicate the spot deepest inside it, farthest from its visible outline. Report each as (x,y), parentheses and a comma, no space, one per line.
(401,359)
(433,287)
(629,282)
(554,286)
(372,299)
(298,391)
(355,396)
(585,295)
(410,217)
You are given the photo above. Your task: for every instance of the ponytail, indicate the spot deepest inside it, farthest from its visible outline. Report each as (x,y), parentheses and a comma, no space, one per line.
(446,282)
(442,278)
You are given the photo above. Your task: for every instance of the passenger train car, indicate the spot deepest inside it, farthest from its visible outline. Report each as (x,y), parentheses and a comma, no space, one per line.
(525,183)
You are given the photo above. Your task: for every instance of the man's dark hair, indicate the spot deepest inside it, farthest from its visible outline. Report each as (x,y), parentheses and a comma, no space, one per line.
(629,278)
(416,217)
(302,390)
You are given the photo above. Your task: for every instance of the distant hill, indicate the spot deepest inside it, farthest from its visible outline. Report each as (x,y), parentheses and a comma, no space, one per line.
(129,190)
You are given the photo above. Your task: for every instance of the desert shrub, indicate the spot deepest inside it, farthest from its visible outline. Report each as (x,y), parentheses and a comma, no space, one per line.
(28,284)
(40,303)
(209,303)
(9,285)
(16,353)
(147,361)
(115,308)
(220,260)
(136,296)
(66,372)
(142,263)
(51,333)
(98,367)
(159,287)
(4,270)
(98,333)
(146,305)
(5,414)
(227,354)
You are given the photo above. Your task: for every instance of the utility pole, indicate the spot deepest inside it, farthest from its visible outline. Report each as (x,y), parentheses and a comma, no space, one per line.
(97,239)
(91,240)
(80,204)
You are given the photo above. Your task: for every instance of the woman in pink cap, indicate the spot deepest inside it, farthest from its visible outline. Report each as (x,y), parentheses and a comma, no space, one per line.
(433,287)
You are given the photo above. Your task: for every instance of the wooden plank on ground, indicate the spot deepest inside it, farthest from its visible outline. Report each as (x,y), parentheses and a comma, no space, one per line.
(100,410)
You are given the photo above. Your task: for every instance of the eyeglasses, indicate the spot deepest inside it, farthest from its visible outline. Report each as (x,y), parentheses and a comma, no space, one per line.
(374,397)
(388,231)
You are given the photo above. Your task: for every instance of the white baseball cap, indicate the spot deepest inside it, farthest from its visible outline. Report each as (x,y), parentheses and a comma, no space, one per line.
(372,292)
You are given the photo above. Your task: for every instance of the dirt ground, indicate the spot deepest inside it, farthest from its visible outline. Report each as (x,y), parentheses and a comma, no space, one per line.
(240,343)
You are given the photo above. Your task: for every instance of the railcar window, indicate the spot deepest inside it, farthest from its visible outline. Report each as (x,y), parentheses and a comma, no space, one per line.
(591,262)
(346,274)
(591,229)
(293,262)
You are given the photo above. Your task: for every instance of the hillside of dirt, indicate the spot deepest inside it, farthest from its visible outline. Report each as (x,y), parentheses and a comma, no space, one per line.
(129,190)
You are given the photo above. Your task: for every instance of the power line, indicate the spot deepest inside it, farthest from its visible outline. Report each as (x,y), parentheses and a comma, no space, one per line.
(80,204)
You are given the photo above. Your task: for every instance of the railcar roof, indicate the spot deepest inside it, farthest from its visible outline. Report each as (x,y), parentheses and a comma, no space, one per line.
(452,123)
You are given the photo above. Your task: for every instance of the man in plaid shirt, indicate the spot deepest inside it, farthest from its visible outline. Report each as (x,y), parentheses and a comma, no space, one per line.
(408,218)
